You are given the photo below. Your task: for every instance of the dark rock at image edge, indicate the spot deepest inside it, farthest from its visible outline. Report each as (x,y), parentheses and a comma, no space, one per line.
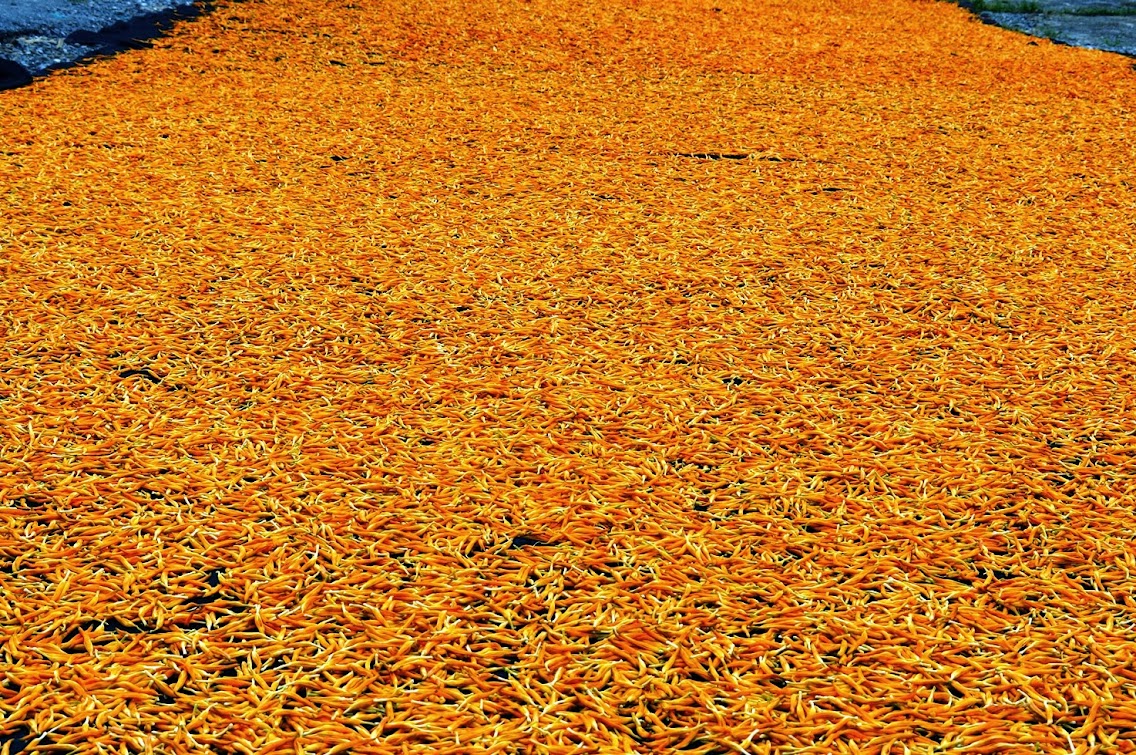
(13,75)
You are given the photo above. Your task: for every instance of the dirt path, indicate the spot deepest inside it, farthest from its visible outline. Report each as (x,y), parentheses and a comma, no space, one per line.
(1095,24)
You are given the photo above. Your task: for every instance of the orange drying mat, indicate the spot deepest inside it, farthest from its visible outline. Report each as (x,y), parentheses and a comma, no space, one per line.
(490,376)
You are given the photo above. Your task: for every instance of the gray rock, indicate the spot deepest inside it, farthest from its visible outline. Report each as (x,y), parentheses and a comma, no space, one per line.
(13,75)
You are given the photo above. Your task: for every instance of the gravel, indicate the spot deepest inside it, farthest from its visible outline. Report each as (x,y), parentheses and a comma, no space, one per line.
(37,36)
(1097,24)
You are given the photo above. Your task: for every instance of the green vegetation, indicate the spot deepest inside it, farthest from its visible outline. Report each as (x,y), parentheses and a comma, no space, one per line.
(1004,6)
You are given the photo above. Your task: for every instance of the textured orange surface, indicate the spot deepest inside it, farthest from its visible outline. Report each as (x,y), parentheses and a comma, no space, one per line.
(381,378)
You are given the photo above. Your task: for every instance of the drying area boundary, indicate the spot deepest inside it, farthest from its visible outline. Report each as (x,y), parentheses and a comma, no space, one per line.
(618,376)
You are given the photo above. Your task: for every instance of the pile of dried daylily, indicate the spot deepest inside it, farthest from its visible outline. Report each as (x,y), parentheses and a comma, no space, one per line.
(644,376)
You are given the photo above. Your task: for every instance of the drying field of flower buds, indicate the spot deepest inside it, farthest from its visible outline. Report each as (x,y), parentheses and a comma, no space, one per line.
(492,376)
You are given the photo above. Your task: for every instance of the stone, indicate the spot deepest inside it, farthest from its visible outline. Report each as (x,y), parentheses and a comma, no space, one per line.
(13,75)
